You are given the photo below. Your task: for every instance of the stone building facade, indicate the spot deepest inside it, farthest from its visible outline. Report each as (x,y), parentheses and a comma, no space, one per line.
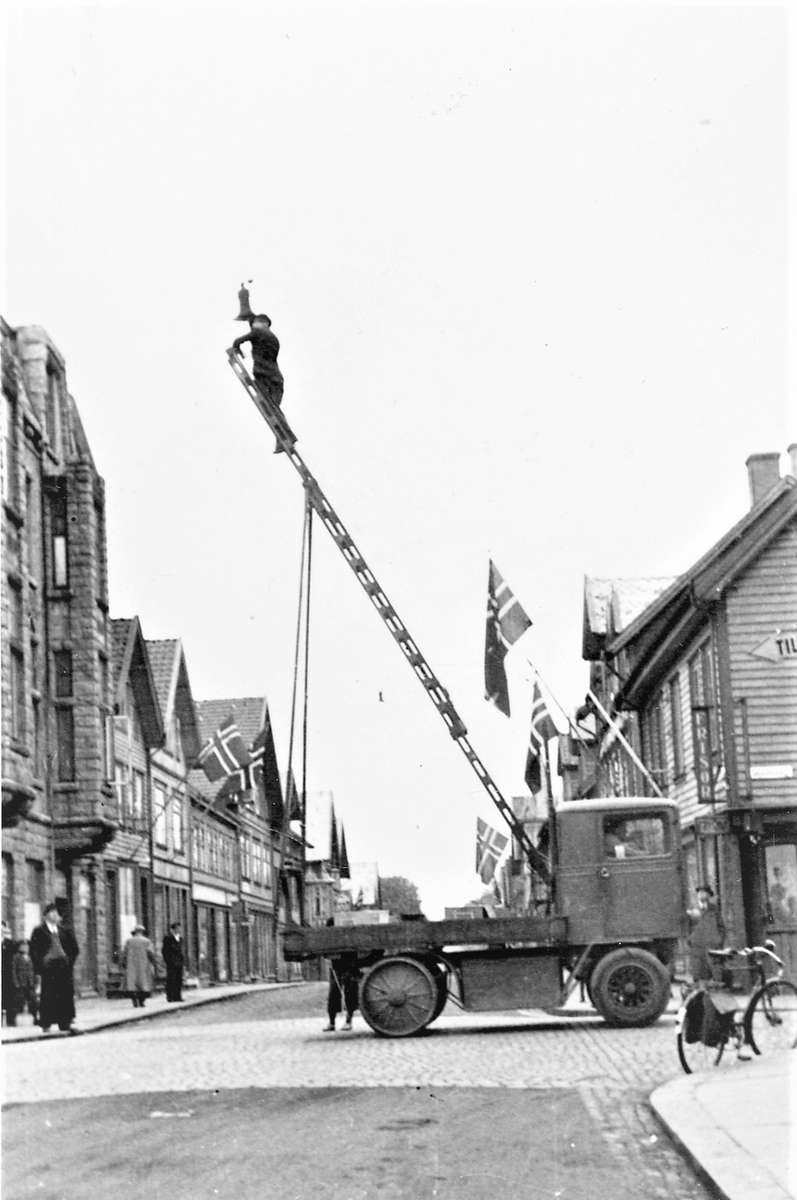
(58,797)
(103,808)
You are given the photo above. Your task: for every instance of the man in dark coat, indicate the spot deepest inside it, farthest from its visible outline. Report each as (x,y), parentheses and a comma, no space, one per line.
(172,954)
(707,933)
(265,348)
(53,952)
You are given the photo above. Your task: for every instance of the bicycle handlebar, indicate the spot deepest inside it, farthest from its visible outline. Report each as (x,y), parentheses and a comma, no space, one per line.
(749,952)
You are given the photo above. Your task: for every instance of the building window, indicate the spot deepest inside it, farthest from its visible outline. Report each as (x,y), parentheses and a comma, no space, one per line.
(65,740)
(8,890)
(177,823)
(160,815)
(677,727)
(38,759)
(62,673)
(52,413)
(653,741)
(706,734)
(34,893)
(138,798)
(58,519)
(122,788)
(10,450)
(17,663)
(32,530)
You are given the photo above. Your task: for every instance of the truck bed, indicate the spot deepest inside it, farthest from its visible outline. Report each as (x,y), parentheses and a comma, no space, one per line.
(413,937)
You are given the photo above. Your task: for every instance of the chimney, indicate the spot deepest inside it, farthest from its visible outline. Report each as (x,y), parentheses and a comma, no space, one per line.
(793,456)
(763,473)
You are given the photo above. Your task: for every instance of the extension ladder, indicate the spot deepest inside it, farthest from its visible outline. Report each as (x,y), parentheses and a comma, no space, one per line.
(345,543)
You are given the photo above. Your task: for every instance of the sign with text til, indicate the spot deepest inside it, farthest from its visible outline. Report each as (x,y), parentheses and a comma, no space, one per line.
(778,647)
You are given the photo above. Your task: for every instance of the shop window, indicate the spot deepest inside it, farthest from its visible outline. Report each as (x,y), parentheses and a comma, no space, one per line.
(34,893)
(781,870)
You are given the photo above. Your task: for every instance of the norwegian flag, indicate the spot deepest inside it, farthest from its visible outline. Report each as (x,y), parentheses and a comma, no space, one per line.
(490,845)
(225,753)
(542,728)
(506,622)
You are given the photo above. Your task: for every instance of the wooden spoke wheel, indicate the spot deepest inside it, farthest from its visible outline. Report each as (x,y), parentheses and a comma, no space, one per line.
(630,987)
(399,997)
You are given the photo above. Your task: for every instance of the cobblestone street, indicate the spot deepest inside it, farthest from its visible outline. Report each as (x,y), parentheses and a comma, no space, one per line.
(229,1046)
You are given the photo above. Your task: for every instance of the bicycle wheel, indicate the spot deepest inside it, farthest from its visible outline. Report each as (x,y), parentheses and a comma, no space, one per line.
(695,1055)
(770,1024)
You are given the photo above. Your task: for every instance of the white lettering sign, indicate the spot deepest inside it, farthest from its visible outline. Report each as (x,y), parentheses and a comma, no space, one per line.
(777,647)
(772,771)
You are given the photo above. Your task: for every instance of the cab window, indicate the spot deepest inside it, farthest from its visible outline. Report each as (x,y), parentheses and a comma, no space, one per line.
(636,837)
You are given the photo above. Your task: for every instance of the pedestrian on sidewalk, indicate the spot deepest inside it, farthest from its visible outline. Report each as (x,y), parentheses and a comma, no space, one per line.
(174,959)
(138,964)
(7,981)
(54,951)
(23,985)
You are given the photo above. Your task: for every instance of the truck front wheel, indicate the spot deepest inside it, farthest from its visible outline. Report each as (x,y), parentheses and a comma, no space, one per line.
(630,986)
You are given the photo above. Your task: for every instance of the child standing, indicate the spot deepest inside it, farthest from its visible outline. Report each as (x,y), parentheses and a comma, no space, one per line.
(23,983)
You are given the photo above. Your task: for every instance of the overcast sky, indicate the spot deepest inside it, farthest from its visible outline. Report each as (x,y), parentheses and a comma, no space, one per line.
(528,267)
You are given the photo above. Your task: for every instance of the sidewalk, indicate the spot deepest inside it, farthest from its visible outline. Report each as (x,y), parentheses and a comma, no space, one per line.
(95,1012)
(737,1127)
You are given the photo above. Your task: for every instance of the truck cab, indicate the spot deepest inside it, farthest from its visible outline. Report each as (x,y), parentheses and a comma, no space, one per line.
(619,874)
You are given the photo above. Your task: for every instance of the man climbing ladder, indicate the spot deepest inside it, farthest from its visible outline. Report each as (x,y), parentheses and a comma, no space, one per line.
(265,348)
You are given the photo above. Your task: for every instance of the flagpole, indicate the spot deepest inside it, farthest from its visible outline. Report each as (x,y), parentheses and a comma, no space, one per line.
(624,742)
(573,728)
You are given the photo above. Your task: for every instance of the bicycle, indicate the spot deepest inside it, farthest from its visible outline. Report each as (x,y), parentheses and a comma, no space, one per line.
(714,1015)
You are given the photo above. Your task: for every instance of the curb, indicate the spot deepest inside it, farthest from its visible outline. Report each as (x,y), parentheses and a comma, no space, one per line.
(135,1017)
(726,1133)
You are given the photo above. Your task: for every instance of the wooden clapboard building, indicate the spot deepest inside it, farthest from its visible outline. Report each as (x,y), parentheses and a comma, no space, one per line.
(243,914)
(700,673)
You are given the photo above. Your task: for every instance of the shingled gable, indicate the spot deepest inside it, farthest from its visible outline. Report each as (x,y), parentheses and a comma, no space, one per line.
(174,691)
(658,635)
(131,666)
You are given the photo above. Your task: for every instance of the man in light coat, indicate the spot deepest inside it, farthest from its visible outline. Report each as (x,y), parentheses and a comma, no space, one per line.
(138,963)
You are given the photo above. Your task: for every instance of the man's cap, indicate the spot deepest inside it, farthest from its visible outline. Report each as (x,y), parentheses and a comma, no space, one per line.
(704,887)
(261,317)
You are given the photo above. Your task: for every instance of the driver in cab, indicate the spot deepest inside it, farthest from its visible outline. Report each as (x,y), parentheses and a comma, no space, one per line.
(619,842)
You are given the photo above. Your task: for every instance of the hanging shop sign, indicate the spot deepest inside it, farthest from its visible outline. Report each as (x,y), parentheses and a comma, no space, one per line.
(703,756)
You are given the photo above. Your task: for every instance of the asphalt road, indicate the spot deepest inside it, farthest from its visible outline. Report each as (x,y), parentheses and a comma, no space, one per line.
(248,1098)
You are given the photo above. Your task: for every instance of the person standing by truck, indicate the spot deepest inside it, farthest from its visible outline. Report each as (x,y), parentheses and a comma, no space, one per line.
(707,932)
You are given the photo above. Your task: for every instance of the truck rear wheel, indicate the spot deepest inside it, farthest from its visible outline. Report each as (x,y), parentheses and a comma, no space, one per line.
(398,997)
(630,987)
